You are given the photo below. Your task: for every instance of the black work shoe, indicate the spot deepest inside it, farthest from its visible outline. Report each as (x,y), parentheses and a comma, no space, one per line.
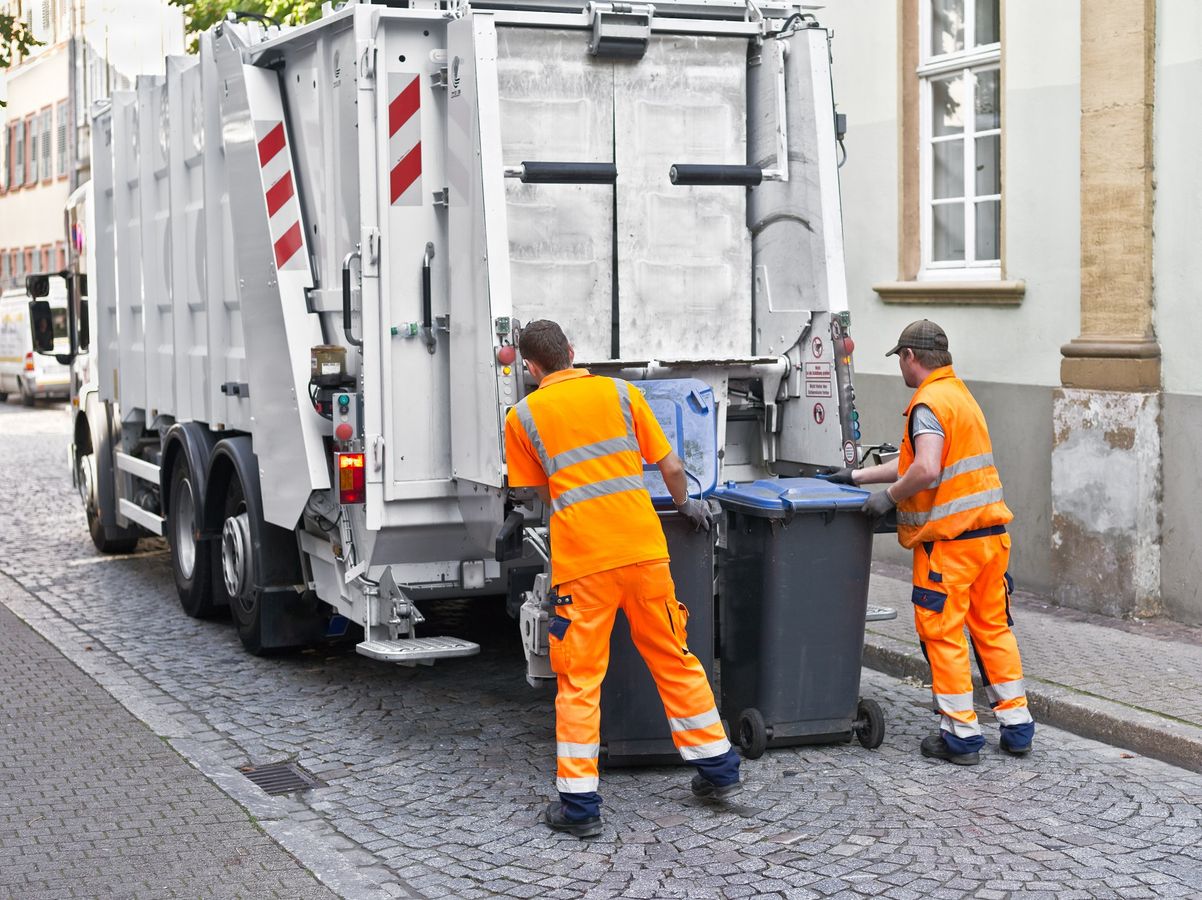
(707,790)
(555,818)
(1016,751)
(935,747)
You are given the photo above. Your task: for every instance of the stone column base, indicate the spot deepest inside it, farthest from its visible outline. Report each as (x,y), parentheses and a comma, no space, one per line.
(1106,500)
(1111,364)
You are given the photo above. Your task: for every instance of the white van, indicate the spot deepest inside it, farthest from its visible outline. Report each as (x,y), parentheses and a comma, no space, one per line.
(22,371)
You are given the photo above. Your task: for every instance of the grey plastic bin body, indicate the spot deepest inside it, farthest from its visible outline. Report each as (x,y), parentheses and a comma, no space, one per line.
(634,727)
(793,588)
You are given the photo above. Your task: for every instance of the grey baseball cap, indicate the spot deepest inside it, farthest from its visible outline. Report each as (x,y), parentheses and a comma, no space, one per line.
(921,335)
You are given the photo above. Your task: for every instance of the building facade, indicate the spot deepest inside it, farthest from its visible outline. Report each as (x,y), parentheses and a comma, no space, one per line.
(1024,173)
(87,50)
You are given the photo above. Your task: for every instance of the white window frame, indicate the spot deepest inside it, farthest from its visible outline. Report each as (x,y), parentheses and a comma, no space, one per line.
(968,63)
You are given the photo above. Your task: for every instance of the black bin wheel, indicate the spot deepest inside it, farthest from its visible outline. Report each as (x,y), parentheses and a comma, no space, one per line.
(870,724)
(753,734)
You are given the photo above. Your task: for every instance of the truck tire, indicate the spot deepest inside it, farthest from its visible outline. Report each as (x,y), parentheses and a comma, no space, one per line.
(191,559)
(27,396)
(110,539)
(3,396)
(237,569)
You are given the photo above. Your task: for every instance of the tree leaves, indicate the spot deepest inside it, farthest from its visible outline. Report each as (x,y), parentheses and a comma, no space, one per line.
(16,40)
(201,15)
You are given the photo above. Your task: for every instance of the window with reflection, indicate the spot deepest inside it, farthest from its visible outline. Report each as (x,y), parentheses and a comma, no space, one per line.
(961,133)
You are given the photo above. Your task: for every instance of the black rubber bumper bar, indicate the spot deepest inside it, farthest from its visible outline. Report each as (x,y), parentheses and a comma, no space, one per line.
(741,176)
(568,173)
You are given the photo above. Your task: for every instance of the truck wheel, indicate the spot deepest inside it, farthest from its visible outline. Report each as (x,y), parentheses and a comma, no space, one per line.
(27,395)
(191,560)
(237,569)
(111,539)
(3,396)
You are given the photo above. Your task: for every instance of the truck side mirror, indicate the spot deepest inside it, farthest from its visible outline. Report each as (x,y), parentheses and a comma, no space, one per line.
(41,325)
(37,286)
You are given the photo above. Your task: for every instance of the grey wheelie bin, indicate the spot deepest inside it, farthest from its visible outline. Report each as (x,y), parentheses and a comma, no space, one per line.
(793,583)
(634,727)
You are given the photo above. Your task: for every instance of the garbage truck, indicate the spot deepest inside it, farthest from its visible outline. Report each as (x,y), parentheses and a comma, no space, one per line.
(303,261)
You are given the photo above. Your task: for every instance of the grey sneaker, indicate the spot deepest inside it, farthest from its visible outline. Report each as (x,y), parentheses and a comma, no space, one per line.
(935,747)
(555,818)
(705,789)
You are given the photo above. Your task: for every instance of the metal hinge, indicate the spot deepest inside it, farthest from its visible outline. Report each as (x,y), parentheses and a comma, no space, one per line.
(620,30)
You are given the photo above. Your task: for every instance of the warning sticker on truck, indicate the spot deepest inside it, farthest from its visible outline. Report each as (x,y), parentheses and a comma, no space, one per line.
(818,371)
(819,389)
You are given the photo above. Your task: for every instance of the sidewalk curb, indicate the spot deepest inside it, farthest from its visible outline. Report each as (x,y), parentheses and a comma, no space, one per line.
(1148,734)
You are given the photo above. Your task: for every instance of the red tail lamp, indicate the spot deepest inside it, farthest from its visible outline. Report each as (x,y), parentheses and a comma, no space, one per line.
(351,478)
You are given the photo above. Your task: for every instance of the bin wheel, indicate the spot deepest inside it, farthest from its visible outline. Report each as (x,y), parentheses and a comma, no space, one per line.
(753,734)
(870,724)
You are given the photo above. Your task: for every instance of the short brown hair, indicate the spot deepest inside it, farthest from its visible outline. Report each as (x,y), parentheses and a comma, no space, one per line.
(543,342)
(931,359)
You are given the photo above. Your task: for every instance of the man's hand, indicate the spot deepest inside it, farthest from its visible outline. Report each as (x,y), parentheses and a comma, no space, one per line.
(843,476)
(697,512)
(879,505)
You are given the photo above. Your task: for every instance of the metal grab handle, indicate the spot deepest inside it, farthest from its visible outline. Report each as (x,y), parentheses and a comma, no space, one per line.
(346,296)
(564,173)
(428,301)
(740,176)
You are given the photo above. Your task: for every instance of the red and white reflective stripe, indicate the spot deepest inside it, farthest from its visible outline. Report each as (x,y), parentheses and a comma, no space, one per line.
(283,208)
(404,140)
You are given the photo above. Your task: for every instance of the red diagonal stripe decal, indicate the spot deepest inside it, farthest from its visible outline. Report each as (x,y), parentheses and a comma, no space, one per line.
(406,172)
(286,247)
(278,194)
(403,106)
(272,143)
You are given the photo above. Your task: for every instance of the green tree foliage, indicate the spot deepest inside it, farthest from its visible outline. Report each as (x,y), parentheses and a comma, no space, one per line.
(201,15)
(16,40)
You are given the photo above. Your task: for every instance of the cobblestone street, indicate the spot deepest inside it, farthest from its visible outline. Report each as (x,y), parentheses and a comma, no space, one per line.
(434,777)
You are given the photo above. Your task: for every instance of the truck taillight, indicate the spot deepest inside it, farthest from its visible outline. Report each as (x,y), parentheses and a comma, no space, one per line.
(28,362)
(351,478)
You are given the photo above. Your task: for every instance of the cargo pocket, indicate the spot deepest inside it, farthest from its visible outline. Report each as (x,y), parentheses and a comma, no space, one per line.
(928,599)
(557,629)
(678,621)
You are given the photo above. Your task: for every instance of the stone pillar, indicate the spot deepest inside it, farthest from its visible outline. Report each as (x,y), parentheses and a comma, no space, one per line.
(1106,458)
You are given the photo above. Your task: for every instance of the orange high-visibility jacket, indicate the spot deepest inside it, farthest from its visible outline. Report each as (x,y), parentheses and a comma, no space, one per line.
(585,437)
(967,493)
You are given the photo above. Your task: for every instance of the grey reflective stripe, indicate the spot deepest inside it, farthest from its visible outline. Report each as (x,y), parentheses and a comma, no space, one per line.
(705,751)
(961,729)
(522,408)
(950,703)
(690,723)
(968,464)
(577,785)
(590,451)
(1018,716)
(568,750)
(1006,690)
(960,504)
(597,489)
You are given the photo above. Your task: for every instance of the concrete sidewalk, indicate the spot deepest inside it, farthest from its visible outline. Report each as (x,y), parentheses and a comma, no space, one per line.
(1134,684)
(94,804)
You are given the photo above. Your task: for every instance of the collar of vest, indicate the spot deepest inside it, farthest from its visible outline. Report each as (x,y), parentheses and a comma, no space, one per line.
(563,375)
(939,374)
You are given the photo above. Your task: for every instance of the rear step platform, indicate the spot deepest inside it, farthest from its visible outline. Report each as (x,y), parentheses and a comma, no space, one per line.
(417,650)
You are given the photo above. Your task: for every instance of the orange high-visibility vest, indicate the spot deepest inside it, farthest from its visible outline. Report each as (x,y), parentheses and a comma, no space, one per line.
(967,493)
(586,437)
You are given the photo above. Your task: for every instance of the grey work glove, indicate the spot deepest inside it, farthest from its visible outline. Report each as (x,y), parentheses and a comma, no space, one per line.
(879,505)
(843,476)
(697,512)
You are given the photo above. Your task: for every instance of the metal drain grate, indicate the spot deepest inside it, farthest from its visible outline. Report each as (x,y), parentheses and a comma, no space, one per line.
(281,778)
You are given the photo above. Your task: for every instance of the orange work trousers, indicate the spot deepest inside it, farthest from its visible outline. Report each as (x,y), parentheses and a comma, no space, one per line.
(965,582)
(580,657)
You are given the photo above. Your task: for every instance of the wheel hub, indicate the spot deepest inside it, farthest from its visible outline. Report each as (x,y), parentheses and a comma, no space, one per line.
(184,530)
(235,554)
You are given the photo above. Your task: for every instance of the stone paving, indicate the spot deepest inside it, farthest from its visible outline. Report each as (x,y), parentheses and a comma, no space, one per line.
(435,776)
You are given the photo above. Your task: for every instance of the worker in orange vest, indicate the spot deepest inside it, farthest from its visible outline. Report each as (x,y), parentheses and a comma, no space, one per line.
(950,511)
(581,440)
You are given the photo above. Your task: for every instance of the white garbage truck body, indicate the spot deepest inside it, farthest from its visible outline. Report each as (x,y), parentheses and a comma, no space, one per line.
(310,252)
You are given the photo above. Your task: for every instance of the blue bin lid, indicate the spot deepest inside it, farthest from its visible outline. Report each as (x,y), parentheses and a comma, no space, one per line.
(686,410)
(771,497)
